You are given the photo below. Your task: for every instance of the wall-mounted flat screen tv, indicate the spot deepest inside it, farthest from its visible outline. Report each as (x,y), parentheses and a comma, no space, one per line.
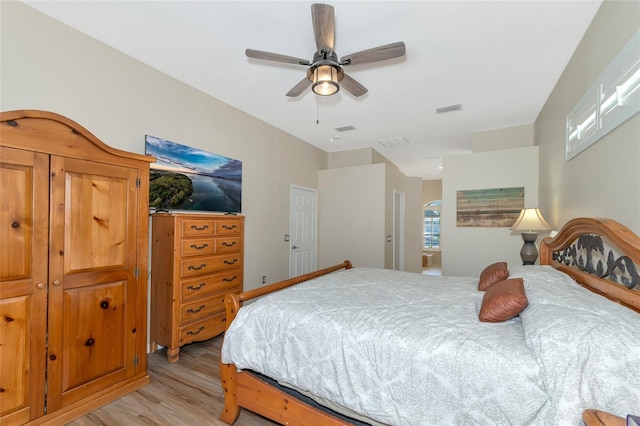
(186,178)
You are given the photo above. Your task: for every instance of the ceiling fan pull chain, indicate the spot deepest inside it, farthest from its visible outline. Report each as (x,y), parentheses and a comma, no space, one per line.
(317,113)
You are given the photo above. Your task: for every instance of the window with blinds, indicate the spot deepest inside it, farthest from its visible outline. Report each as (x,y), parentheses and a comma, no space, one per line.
(610,101)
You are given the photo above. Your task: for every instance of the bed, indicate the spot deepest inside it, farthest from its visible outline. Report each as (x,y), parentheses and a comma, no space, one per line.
(348,345)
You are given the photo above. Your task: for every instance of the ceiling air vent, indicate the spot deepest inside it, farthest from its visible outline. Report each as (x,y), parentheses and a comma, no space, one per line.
(345,128)
(394,142)
(448,108)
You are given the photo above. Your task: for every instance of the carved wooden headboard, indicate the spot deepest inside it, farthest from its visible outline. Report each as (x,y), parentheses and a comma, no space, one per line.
(601,255)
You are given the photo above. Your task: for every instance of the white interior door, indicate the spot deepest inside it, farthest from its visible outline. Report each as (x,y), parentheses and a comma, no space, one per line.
(303,230)
(398,230)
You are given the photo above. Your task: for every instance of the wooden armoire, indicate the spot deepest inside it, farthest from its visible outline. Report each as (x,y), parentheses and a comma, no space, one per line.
(73,269)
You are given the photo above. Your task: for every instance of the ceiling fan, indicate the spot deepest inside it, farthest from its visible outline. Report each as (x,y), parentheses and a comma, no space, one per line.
(325,74)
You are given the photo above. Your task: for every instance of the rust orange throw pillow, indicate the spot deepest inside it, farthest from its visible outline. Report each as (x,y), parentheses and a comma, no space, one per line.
(492,274)
(504,300)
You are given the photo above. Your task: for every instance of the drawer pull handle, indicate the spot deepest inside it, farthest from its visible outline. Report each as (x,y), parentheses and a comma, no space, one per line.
(193,246)
(196,288)
(197,268)
(228,280)
(199,228)
(195,311)
(229,244)
(229,227)
(230,262)
(193,333)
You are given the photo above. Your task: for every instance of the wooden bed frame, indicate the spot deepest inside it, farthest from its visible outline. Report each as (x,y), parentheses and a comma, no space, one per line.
(244,389)
(600,254)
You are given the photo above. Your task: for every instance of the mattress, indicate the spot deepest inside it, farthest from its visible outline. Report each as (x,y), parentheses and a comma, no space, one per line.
(395,347)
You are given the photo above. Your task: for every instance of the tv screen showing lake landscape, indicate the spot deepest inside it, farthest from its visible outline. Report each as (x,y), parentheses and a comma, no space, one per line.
(186,178)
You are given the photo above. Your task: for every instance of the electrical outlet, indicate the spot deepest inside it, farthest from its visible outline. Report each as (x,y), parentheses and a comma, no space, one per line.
(264,279)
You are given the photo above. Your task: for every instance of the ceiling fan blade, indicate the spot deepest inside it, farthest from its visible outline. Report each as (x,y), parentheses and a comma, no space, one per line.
(352,86)
(375,54)
(268,56)
(299,88)
(323,25)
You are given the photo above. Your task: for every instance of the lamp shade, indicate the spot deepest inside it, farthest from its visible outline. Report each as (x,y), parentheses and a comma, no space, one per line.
(325,80)
(530,220)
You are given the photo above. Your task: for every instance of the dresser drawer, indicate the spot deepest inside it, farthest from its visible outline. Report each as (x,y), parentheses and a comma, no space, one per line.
(225,282)
(201,308)
(228,244)
(195,227)
(202,330)
(198,246)
(228,227)
(207,264)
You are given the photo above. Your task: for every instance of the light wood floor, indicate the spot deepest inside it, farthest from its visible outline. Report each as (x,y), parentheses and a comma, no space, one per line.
(185,393)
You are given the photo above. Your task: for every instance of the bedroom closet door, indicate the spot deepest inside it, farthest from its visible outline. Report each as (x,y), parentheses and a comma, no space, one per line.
(303,231)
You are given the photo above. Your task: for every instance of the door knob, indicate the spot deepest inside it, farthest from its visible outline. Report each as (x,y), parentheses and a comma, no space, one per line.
(295,247)
(56,283)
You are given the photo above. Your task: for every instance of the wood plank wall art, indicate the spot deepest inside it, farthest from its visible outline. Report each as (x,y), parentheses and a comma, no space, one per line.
(494,207)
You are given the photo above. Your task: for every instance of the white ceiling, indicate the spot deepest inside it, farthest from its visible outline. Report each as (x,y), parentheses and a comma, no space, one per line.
(499,59)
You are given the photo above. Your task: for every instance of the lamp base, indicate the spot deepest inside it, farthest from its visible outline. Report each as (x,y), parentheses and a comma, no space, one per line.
(529,253)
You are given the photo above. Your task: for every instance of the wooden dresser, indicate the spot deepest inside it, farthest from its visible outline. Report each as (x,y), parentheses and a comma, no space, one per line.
(196,259)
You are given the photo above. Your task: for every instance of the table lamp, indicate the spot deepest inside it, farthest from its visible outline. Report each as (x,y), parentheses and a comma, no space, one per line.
(529,223)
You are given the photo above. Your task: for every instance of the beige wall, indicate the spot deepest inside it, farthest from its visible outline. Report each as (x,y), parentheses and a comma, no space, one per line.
(411,188)
(356,212)
(506,138)
(414,213)
(603,180)
(394,180)
(501,158)
(354,157)
(467,250)
(49,66)
(351,211)
(431,190)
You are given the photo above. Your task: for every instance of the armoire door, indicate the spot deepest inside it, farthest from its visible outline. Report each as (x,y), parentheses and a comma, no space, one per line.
(24,218)
(92,275)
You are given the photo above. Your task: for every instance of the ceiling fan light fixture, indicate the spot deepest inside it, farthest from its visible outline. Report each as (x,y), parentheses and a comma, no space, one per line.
(325,74)
(325,80)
